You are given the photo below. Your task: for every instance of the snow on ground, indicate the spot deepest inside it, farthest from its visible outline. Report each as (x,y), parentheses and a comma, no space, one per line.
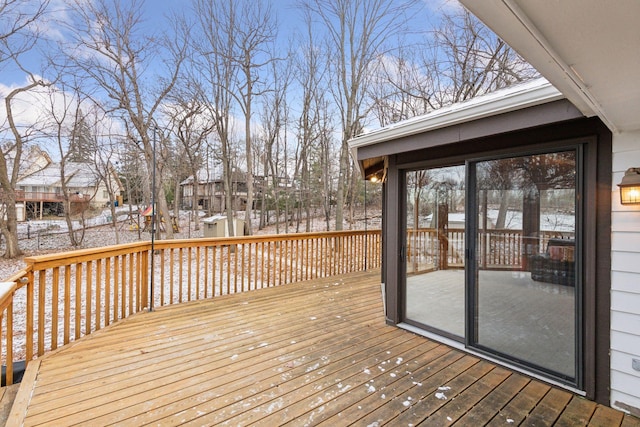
(39,237)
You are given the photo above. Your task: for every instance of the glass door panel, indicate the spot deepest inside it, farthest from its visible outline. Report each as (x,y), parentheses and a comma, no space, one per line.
(435,247)
(524,283)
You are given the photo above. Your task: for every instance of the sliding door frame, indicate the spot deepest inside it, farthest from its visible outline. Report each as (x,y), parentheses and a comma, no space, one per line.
(597,218)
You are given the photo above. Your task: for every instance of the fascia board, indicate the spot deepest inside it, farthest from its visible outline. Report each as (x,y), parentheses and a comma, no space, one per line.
(536,92)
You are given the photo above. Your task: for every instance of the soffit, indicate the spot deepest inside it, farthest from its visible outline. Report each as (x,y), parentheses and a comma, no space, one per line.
(588,49)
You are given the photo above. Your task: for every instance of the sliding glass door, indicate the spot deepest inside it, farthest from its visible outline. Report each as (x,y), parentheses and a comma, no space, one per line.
(435,218)
(495,265)
(523,284)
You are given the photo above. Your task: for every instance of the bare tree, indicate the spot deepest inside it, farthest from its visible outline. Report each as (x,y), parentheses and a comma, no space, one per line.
(191,127)
(274,119)
(17,36)
(255,32)
(402,85)
(10,165)
(236,38)
(104,156)
(472,60)
(18,32)
(65,118)
(357,30)
(311,76)
(215,71)
(113,53)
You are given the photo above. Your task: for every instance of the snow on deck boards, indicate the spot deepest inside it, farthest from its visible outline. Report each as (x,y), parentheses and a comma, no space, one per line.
(311,353)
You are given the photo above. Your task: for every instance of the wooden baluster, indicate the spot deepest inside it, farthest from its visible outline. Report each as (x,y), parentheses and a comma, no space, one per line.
(242,246)
(234,253)
(99,282)
(180,275)
(107,292)
(41,307)
(206,271)
(123,286)
(250,266)
(133,277)
(30,314)
(88,299)
(189,261)
(67,304)
(171,274)
(78,307)
(224,291)
(213,271)
(9,343)
(198,273)
(55,283)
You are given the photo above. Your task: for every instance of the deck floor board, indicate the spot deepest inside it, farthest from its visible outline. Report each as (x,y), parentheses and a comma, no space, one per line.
(310,353)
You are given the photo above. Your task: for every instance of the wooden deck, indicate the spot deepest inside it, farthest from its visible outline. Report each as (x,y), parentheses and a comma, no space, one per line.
(312,353)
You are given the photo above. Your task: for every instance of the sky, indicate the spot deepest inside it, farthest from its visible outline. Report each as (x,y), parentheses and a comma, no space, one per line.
(289,22)
(155,12)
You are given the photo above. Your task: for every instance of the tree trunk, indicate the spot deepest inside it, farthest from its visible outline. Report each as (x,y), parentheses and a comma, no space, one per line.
(342,182)
(10,226)
(502,212)
(165,214)
(196,200)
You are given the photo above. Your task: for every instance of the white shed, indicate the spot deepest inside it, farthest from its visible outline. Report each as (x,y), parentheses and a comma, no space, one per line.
(216,226)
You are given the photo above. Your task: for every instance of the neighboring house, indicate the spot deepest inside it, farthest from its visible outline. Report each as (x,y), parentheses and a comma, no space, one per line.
(211,195)
(211,191)
(40,186)
(556,295)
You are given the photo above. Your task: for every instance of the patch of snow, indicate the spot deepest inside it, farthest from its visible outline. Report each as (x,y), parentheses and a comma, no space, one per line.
(406,403)
(393,375)
(313,368)
(343,389)
(441,396)
(510,421)
(370,388)
(367,371)
(399,360)
(444,388)
(234,357)
(274,406)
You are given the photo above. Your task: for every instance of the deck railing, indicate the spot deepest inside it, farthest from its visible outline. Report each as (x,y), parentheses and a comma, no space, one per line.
(65,296)
(497,248)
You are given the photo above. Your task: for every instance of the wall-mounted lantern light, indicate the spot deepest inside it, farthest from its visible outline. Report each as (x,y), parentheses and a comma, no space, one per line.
(630,187)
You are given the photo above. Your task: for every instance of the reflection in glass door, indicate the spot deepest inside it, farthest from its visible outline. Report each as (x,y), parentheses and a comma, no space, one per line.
(435,247)
(524,283)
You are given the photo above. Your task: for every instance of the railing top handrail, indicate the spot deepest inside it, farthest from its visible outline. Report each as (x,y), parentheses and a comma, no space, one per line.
(81,255)
(6,294)
(215,241)
(19,277)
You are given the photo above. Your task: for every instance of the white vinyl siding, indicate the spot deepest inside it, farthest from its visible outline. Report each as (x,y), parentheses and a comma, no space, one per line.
(625,280)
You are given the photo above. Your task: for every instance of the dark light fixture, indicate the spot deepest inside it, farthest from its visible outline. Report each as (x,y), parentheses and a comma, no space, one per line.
(630,187)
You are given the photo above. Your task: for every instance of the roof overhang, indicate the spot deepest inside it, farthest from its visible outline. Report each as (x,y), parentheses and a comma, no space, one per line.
(519,97)
(588,49)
